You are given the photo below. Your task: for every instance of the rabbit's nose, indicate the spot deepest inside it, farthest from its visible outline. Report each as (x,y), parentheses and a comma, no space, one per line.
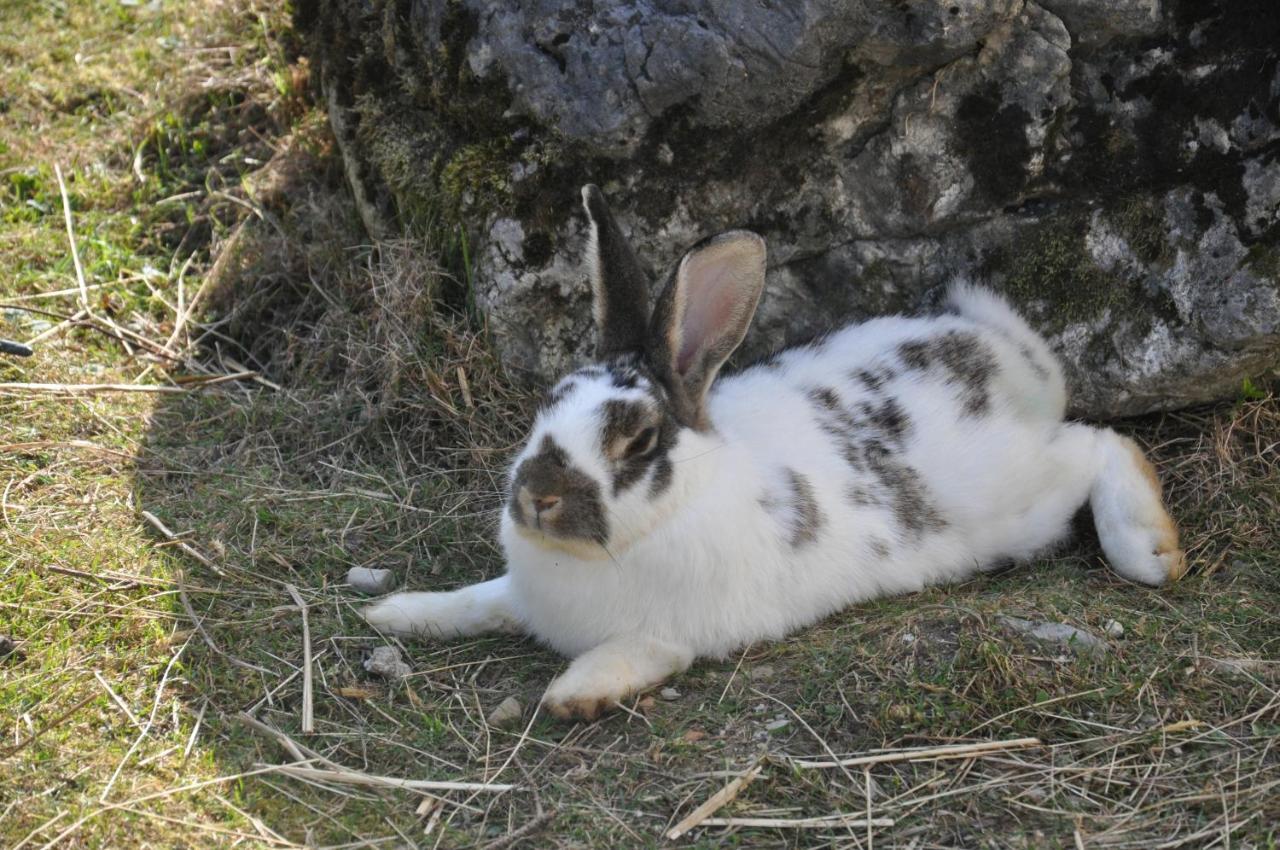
(539,508)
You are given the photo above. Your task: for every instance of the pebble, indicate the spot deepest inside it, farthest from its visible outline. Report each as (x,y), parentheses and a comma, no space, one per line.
(669,694)
(369,581)
(8,647)
(385,661)
(776,724)
(1078,641)
(1114,629)
(508,711)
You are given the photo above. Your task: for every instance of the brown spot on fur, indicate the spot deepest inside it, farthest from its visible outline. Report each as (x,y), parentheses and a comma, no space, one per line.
(1167,546)
(859,495)
(910,500)
(558,394)
(962,359)
(874,379)
(836,422)
(798,512)
(888,417)
(1040,370)
(809,519)
(825,397)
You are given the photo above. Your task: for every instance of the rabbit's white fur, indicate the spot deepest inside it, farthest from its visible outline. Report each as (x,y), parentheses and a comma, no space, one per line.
(710,567)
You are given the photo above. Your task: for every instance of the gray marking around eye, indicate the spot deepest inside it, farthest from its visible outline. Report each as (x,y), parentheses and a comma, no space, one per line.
(625,419)
(621,419)
(663,472)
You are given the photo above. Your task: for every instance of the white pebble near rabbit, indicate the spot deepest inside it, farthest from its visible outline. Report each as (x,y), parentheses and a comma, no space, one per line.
(657,514)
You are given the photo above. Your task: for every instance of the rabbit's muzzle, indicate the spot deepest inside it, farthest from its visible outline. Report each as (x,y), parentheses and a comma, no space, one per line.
(543,509)
(552,498)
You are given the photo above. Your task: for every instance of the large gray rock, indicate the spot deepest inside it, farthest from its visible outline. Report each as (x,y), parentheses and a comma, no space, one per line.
(1112,165)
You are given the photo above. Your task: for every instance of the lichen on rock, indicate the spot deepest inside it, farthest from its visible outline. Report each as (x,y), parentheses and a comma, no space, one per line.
(1112,166)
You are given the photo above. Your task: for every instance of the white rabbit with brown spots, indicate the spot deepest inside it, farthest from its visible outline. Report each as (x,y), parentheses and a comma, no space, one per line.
(657,514)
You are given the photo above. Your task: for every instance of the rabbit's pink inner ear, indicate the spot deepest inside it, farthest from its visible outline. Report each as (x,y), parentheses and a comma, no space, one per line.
(720,284)
(711,306)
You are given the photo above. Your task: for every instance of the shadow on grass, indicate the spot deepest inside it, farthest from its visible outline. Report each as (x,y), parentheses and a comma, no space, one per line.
(286,488)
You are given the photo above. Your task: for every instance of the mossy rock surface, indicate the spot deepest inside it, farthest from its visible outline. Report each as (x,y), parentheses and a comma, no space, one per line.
(1113,168)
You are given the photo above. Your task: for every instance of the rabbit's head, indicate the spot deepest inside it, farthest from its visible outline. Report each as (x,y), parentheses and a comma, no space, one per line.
(600,468)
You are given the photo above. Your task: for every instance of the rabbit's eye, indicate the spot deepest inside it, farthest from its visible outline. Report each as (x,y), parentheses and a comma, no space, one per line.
(642,444)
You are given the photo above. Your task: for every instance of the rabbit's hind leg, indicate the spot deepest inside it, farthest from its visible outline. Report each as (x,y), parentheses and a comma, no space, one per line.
(1137,534)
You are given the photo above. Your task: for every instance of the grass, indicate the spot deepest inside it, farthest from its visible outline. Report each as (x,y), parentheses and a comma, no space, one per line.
(376,435)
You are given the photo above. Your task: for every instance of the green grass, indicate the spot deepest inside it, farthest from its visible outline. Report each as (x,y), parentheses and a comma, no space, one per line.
(121,719)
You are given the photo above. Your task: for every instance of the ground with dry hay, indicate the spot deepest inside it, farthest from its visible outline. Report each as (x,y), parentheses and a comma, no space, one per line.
(304,402)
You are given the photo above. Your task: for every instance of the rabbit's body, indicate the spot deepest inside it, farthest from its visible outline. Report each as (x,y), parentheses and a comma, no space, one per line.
(890,455)
(901,485)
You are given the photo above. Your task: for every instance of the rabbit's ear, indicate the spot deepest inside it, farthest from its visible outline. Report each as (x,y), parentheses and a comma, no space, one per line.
(702,316)
(619,288)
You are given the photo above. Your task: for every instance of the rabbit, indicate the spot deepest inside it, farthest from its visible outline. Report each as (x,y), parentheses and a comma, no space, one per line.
(657,515)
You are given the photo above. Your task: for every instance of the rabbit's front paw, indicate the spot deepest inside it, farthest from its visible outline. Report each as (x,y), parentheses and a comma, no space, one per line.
(598,680)
(472,610)
(586,694)
(396,616)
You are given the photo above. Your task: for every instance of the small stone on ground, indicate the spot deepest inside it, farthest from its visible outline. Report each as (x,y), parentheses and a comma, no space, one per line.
(369,581)
(9,647)
(508,711)
(1062,634)
(385,661)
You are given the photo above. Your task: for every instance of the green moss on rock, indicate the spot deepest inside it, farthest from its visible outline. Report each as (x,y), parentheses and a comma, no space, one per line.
(477,175)
(1050,273)
(1142,224)
(1052,265)
(1263,260)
